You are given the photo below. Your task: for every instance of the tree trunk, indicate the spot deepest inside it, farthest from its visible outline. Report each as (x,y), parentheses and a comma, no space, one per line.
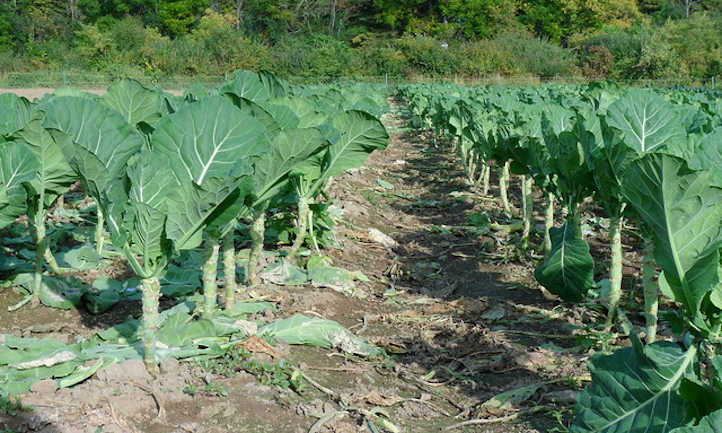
(239,14)
(332,20)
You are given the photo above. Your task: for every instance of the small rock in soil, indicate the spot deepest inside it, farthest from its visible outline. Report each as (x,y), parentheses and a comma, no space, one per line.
(382,238)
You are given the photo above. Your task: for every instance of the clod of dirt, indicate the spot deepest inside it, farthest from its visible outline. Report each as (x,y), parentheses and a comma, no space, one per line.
(566,396)
(169,365)
(532,360)
(382,238)
(47,386)
(126,371)
(351,208)
(495,313)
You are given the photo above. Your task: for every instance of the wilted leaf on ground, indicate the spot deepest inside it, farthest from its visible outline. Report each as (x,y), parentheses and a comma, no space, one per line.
(299,329)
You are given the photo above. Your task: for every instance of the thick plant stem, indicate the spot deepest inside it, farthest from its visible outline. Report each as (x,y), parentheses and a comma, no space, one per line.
(40,247)
(503,187)
(314,241)
(52,262)
(210,275)
(649,286)
(301,227)
(258,230)
(548,223)
(99,236)
(229,271)
(615,268)
(527,183)
(151,319)
(486,178)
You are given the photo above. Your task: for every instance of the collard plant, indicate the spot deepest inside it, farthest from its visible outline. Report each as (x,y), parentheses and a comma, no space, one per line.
(34,162)
(665,386)
(157,193)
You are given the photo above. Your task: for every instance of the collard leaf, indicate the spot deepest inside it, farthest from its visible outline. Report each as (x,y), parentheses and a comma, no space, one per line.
(81,258)
(96,128)
(180,281)
(684,213)
(299,329)
(709,424)
(634,390)
(134,101)
(247,85)
(568,271)
(55,292)
(288,148)
(18,165)
(708,156)
(208,139)
(15,113)
(54,174)
(648,123)
(359,134)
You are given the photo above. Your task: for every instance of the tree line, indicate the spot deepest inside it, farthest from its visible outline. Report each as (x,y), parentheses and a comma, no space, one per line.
(598,38)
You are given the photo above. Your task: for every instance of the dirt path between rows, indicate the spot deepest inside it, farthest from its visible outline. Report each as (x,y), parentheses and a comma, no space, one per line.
(455,308)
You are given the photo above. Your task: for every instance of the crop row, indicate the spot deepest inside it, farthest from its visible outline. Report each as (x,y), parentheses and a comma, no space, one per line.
(653,157)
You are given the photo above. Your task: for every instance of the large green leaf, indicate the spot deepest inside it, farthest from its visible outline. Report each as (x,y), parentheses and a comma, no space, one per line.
(708,156)
(134,101)
(247,85)
(288,148)
(15,113)
(648,123)
(54,175)
(357,135)
(190,207)
(634,390)
(709,424)
(207,139)
(568,271)
(18,165)
(684,213)
(97,128)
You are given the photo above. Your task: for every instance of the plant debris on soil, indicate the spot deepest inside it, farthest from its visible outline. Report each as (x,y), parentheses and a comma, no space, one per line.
(472,343)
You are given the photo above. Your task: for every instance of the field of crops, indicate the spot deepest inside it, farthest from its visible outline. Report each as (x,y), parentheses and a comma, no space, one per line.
(264,257)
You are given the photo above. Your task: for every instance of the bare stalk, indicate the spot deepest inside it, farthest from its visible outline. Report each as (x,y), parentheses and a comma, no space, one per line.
(151,321)
(210,275)
(229,270)
(649,286)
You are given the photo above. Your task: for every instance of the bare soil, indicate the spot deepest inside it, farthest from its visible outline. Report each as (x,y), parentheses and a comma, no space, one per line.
(457,310)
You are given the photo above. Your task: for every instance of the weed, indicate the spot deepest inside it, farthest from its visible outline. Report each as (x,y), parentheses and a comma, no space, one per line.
(559,415)
(231,362)
(11,406)
(211,389)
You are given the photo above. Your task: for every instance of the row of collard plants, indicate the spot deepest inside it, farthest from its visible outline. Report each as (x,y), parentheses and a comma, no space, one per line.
(174,176)
(652,157)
